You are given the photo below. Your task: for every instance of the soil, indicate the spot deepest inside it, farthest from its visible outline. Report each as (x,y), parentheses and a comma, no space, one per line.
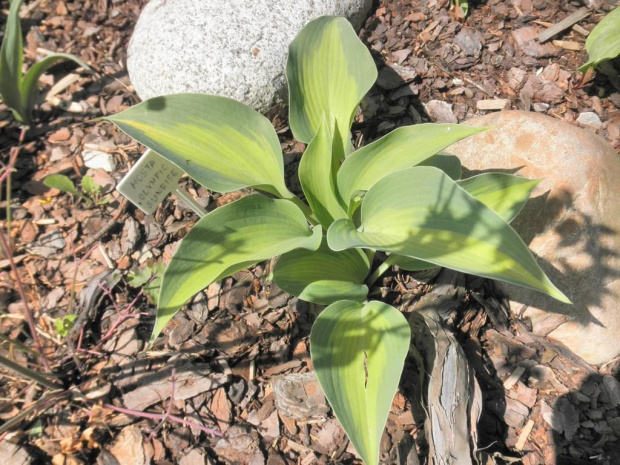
(225,355)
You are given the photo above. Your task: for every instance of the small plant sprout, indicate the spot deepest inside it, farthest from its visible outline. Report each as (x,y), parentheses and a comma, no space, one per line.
(89,191)
(398,195)
(64,324)
(149,279)
(459,9)
(20,92)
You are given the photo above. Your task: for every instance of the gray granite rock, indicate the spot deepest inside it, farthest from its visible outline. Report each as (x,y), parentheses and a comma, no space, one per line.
(236,48)
(571,223)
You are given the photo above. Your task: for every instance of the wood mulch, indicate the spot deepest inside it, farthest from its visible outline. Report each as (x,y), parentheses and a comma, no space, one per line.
(237,361)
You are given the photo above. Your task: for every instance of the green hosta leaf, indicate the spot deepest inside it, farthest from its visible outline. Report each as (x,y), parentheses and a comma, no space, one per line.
(227,240)
(421,213)
(318,180)
(221,143)
(506,194)
(449,164)
(323,276)
(60,182)
(30,83)
(603,43)
(402,148)
(11,56)
(329,70)
(358,352)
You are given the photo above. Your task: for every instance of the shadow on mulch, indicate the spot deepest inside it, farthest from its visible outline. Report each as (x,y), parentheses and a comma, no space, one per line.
(591,423)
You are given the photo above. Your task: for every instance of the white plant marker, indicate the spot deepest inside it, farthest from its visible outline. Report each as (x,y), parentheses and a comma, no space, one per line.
(150,180)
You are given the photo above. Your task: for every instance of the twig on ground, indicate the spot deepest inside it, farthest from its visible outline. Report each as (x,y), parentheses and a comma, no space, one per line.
(467,80)
(567,22)
(109,225)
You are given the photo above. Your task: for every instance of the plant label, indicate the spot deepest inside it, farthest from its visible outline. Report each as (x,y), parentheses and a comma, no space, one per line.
(150,180)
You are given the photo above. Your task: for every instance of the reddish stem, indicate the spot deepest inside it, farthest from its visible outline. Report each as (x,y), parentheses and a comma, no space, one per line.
(168,410)
(9,253)
(125,315)
(91,352)
(5,174)
(159,416)
(27,310)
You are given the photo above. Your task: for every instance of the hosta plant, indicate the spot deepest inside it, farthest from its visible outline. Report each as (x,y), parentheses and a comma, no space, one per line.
(397,195)
(20,91)
(603,46)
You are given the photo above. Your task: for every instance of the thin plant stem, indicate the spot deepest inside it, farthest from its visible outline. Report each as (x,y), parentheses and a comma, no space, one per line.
(18,345)
(42,404)
(168,410)
(9,185)
(69,340)
(9,253)
(159,416)
(40,378)
(91,352)
(122,316)
(381,269)
(5,174)
(20,288)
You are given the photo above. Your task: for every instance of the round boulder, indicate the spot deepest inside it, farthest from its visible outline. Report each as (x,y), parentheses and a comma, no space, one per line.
(571,223)
(236,49)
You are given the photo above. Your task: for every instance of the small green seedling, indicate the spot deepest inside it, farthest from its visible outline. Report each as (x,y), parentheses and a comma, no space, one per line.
(398,195)
(37,429)
(93,191)
(64,324)
(149,278)
(89,191)
(20,92)
(603,46)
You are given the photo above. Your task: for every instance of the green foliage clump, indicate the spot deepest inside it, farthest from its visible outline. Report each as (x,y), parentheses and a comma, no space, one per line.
(399,195)
(20,91)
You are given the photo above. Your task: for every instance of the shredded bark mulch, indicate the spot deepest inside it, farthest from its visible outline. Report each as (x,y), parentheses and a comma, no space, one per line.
(230,381)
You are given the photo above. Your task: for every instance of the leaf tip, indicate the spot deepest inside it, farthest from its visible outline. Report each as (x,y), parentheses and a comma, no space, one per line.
(559,295)
(552,290)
